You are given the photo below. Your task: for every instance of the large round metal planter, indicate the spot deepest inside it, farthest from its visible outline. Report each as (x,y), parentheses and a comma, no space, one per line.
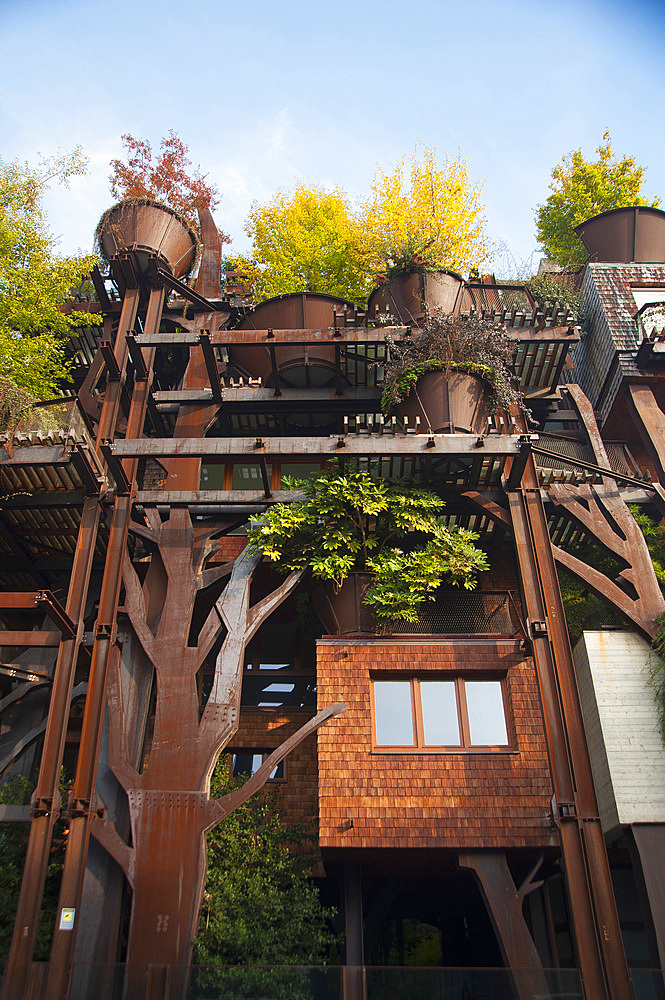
(298,366)
(411,297)
(148,231)
(447,404)
(342,610)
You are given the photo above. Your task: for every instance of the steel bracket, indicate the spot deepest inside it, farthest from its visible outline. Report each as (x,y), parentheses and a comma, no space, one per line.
(42,806)
(104,631)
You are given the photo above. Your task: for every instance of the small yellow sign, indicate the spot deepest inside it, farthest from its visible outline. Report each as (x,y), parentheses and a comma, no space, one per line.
(67,914)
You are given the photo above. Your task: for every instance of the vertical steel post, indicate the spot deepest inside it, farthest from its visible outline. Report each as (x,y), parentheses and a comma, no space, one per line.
(595,921)
(57,986)
(46,797)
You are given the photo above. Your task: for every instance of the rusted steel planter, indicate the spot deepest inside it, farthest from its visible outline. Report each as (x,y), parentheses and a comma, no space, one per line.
(342,611)
(299,365)
(448,404)
(411,297)
(148,229)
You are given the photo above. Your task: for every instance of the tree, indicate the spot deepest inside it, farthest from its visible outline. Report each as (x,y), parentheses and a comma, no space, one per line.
(260,906)
(316,241)
(353,522)
(309,241)
(425,216)
(581,189)
(167,179)
(34,280)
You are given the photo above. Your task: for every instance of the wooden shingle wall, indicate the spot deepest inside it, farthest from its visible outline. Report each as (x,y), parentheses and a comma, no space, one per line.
(492,799)
(266,729)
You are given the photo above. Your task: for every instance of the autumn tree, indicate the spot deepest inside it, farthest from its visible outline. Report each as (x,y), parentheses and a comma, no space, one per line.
(581,189)
(34,279)
(308,241)
(165,177)
(425,214)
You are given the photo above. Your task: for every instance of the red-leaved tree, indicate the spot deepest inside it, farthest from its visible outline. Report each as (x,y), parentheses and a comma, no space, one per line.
(165,177)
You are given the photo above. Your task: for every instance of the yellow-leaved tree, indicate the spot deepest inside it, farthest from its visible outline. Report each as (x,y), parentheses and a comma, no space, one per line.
(424,215)
(421,216)
(309,241)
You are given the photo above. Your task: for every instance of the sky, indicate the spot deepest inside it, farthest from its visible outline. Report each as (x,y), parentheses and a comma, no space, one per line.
(268,95)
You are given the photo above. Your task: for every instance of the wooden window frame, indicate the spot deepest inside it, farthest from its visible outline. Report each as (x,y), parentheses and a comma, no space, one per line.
(256,752)
(465,746)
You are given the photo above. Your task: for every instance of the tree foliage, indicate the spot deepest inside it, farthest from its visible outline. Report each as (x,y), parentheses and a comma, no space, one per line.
(34,280)
(422,216)
(425,214)
(165,177)
(581,189)
(309,241)
(353,522)
(260,906)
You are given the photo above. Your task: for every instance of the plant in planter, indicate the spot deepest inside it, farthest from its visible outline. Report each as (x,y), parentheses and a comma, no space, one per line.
(453,344)
(348,523)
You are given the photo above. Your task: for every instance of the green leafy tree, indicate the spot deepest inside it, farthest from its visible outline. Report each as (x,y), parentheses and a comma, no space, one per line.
(581,189)
(353,522)
(34,279)
(309,241)
(260,906)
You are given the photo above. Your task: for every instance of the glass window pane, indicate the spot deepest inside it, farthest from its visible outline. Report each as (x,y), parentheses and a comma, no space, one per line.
(246,763)
(247,476)
(392,711)
(440,722)
(487,721)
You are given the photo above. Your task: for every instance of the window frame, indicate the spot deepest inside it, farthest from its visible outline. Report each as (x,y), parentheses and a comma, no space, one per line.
(465,746)
(256,752)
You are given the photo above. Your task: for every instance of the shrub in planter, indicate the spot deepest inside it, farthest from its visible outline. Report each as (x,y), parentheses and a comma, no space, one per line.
(349,523)
(449,344)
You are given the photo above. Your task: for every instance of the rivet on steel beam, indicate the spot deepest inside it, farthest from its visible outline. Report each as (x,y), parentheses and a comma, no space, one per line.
(340,442)
(259,443)
(430,442)
(480,442)
(271,335)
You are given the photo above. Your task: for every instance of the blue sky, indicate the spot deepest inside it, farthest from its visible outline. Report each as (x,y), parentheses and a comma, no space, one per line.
(268,95)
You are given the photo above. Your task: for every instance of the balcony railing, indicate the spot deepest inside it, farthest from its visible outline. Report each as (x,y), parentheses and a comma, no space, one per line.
(460,612)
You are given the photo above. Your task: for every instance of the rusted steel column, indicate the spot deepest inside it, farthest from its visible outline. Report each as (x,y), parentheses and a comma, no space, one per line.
(46,798)
(593,910)
(57,986)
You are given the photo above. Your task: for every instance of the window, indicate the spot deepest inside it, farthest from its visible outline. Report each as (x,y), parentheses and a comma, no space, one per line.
(452,713)
(249,761)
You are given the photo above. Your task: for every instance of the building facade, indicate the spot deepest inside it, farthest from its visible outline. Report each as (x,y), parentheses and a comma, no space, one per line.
(489,806)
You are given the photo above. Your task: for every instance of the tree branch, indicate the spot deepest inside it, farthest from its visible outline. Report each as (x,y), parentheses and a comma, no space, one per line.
(223,807)
(263,609)
(119,763)
(105,833)
(135,607)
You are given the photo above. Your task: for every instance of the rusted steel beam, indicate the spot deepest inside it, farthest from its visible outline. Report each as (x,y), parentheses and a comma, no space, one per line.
(348,444)
(39,843)
(340,336)
(233,498)
(211,365)
(42,599)
(595,922)
(14,814)
(27,638)
(259,399)
(83,789)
